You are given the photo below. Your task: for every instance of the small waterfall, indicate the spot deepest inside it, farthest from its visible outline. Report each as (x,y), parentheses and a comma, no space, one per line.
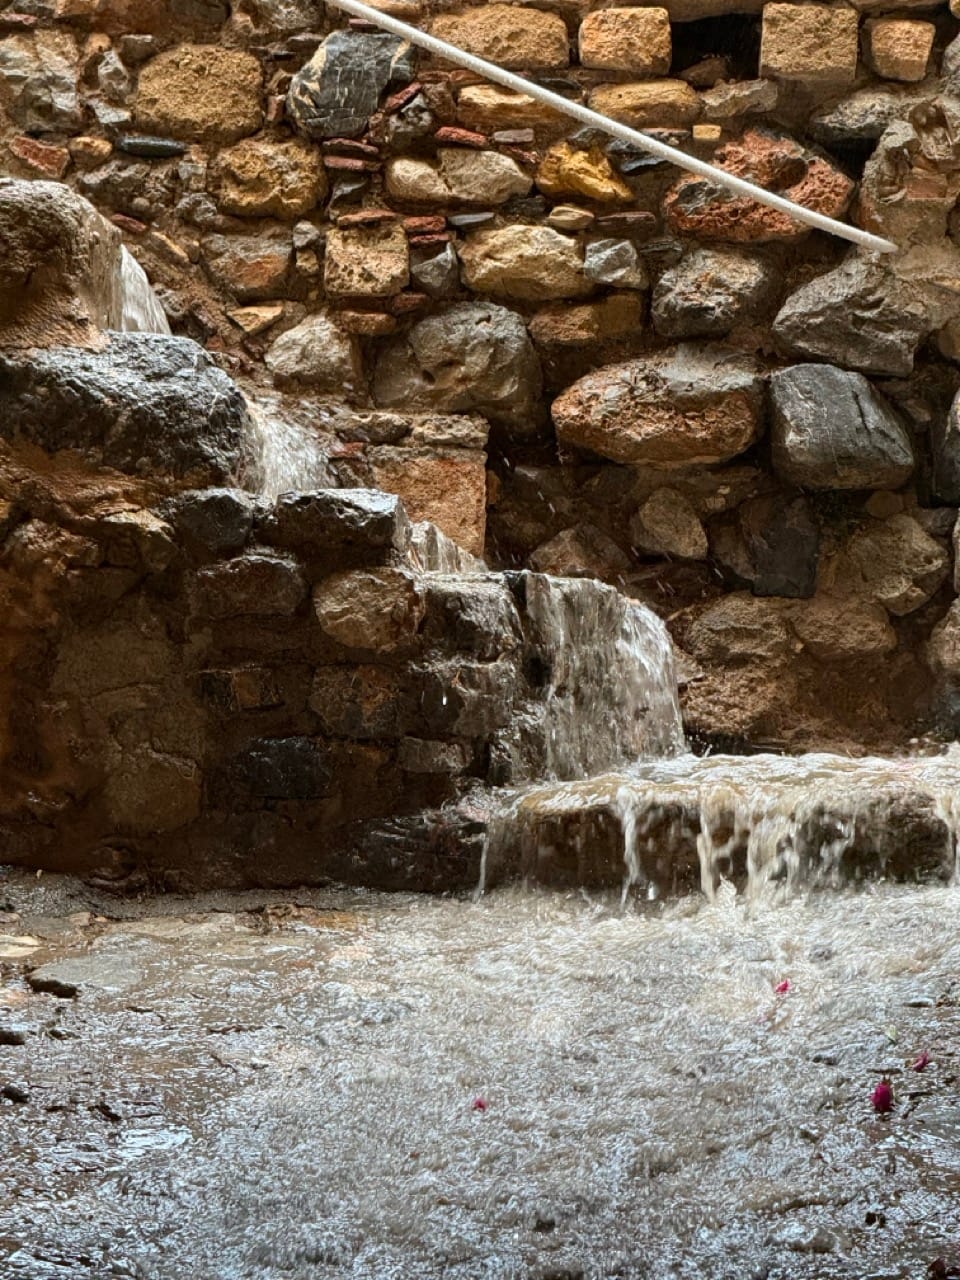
(283,454)
(141,310)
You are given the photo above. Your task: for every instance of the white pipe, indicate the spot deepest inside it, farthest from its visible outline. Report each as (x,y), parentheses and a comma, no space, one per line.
(490,71)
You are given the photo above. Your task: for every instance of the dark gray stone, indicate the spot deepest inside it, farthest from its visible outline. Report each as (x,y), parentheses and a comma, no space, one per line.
(473,357)
(466,699)
(256,584)
(38,83)
(857,316)
(472,614)
(945,448)
(863,117)
(710,291)
(771,545)
(437,274)
(131,187)
(831,430)
(335,94)
(150,148)
(281,769)
(212,522)
(355,526)
(147,404)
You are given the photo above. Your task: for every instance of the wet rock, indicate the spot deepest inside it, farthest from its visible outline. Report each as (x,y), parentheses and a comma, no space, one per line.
(899,48)
(710,291)
(857,316)
(251,268)
(831,430)
(13,1035)
(38,81)
(699,207)
(151,792)
(147,404)
(417,755)
(253,584)
(676,408)
(892,562)
(945,448)
(361,701)
(772,544)
(738,628)
(641,105)
(812,43)
(571,171)
(513,36)
(843,630)
(667,525)
(213,522)
(466,698)
(615,262)
(257,179)
(581,552)
(352,526)
(377,610)
(456,176)
(335,93)
(449,490)
(316,353)
(203,93)
(139,190)
(471,613)
(60,268)
(372,262)
(473,357)
(294,768)
(636,40)
(525,263)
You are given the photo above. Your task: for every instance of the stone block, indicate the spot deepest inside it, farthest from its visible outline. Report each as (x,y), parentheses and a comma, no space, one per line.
(471,614)
(371,610)
(833,630)
(38,81)
(615,262)
(456,176)
(566,170)
(256,584)
(583,551)
(899,48)
(678,408)
(667,525)
(893,563)
(646,103)
(211,523)
(369,262)
(450,492)
(467,699)
(635,40)
(335,93)
(814,44)
(257,178)
(524,263)
(150,792)
(202,93)
(711,291)
(490,108)
(514,36)
(355,526)
(619,315)
(294,768)
(316,353)
(361,701)
(251,268)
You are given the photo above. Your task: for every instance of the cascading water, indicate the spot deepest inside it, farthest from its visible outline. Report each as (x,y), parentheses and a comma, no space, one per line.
(141,310)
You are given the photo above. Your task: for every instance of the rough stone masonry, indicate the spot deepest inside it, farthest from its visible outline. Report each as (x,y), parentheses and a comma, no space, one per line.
(749,427)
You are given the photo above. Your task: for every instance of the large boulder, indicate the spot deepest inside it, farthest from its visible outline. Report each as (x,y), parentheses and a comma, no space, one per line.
(335,93)
(147,404)
(831,430)
(857,315)
(678,408)
(473,357)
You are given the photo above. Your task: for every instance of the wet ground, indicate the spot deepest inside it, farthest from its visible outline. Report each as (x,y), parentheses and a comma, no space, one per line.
(326,1085)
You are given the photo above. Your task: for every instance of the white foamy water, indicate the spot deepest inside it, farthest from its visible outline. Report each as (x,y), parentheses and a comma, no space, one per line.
(141,309)
(284,455)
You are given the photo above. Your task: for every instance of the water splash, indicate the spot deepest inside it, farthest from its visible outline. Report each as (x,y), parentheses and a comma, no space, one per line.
(284,454)
(141,309)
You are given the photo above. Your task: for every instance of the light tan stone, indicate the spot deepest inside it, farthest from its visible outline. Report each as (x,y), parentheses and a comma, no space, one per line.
(257,178)
(202,93)
(651,102)
(893,562)
(458,176)
(488,108)
(842,630)
(635,40)
(88,152)
(255,320)
(377,610)
(567,170)
(449,492)
(815,44)
(899,48)
(513,36)
(367,261)
(667,525)
(616,316)
(529,264)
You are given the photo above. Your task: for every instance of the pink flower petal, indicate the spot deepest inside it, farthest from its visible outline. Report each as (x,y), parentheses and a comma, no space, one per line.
(479,1104)
(922,1062)
(882,1097)
(782,988)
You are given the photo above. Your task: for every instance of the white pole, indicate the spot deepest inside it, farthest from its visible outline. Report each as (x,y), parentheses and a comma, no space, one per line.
(490,71)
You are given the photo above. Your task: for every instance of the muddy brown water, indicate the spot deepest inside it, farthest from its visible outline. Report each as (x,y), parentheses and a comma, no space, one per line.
(344,1084)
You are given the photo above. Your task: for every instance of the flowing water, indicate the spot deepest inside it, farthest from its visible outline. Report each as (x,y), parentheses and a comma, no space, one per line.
(141,309)
(536,1085)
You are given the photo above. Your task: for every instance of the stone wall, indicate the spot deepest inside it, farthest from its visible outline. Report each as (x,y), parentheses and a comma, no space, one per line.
(745,425)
